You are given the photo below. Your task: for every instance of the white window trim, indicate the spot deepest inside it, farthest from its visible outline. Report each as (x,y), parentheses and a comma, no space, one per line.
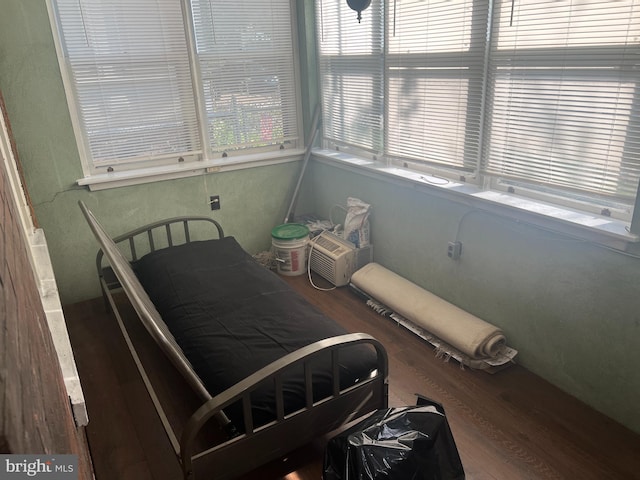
(544,208)
(606,231)
(139,176)
(38,253)
(198,162)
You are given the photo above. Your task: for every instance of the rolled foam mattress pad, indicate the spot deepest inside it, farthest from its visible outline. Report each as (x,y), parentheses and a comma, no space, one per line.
(462,330)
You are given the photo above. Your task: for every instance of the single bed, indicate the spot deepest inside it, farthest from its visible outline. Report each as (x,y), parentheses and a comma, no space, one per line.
(274,371)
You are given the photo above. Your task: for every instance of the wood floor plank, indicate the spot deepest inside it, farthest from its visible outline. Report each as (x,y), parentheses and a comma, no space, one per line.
(111,432)
(508,426)
(539,430)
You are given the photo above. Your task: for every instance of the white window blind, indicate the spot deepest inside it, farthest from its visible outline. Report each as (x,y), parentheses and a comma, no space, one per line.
(161,81)
(245,52)
(352,69)
(564,95)
(435,58)
(129,66)
(519,92)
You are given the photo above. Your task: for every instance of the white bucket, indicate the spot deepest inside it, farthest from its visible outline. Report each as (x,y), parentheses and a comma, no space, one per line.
(290,244)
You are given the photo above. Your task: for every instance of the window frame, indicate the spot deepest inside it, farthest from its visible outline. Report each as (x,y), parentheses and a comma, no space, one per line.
(200,161)
(616,222)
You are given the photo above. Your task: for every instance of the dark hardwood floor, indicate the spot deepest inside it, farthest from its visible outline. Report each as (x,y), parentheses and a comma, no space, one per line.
(507,426)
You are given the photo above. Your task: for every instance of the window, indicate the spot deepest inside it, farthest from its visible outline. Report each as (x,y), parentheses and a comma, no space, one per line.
(156,82)
(532,96)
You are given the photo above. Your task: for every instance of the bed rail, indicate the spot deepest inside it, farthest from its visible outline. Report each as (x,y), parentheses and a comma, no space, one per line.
(149,316)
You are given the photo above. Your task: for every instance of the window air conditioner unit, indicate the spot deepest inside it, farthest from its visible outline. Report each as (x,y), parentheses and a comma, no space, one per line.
(335,258)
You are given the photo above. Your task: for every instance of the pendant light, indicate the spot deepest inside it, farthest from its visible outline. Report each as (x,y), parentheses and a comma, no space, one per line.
(359,6)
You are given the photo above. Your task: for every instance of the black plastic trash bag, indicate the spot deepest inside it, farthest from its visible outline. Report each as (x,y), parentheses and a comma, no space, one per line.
(398,443)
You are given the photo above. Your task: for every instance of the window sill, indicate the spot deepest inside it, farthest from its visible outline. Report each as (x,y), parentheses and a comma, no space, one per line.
(607,231)
(125,178)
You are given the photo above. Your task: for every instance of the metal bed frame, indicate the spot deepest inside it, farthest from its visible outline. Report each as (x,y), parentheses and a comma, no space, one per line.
(257,445)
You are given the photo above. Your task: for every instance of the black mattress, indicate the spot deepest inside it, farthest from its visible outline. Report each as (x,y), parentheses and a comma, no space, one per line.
(231,316)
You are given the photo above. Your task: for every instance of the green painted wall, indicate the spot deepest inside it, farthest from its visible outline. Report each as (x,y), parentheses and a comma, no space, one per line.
(570,308)
(253,200)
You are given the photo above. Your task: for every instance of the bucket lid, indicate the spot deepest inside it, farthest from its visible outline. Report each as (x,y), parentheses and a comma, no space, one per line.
(290,231)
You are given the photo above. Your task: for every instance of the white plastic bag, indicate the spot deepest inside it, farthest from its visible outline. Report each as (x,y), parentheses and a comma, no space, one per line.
(356,223)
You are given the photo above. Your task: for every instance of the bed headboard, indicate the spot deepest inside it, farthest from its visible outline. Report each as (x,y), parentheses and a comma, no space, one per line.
(166,236)
(141,302)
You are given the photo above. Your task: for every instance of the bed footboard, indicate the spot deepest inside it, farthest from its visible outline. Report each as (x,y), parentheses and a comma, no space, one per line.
(287,432)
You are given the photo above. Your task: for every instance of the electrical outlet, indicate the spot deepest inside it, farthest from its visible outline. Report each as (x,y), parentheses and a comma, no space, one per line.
(454,250)
(214,201)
